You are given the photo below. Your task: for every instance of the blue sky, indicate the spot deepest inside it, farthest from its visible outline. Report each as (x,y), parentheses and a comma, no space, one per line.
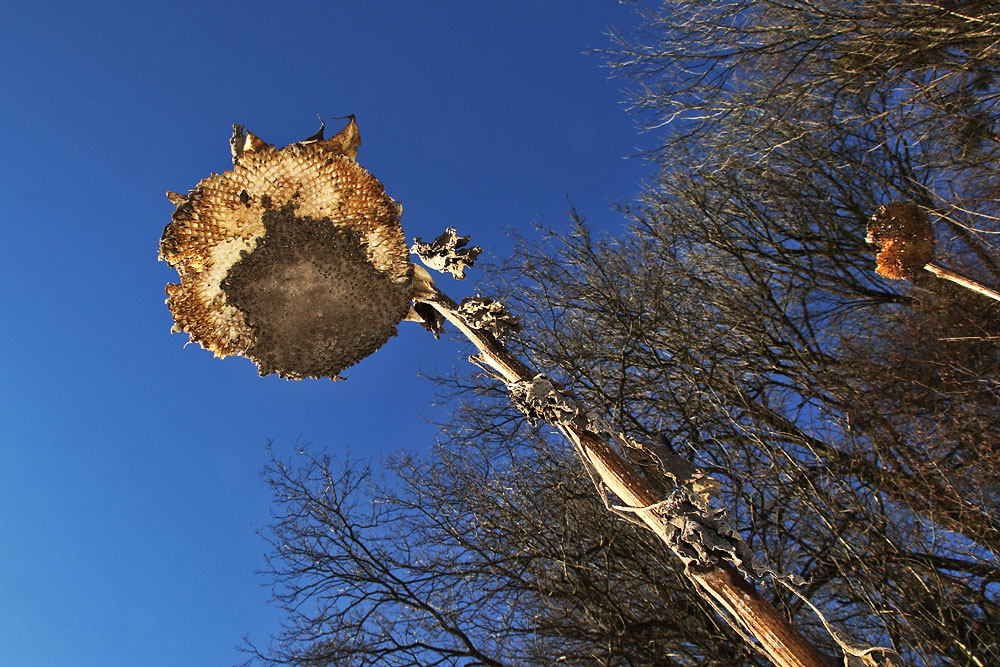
(129,479)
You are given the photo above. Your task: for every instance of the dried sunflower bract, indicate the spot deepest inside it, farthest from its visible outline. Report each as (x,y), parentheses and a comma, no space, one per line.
(295,258)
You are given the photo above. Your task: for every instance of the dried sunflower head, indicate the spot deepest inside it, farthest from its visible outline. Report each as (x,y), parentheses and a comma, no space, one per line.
(295,258)
(902,235)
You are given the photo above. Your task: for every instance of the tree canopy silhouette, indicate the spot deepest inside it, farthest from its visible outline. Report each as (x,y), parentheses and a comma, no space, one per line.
(852,422)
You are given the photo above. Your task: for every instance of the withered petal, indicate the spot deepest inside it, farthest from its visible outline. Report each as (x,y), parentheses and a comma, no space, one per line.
(347,141)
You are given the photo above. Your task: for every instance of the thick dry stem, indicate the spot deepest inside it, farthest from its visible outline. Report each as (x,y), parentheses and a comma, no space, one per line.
(722,582)
(968,283)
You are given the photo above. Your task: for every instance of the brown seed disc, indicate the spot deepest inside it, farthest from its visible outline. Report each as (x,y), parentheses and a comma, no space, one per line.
(314,303)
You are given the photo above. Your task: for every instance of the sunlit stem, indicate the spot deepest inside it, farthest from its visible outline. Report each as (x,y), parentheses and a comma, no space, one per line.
(725,586)
(968,283)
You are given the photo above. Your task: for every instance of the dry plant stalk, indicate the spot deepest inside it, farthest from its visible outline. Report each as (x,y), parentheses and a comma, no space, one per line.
(959,279)
(902,235)
(295,259)
(726,587)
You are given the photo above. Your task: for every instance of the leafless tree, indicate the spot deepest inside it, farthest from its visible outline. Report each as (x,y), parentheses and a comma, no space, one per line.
(493,552)
(843,468)
(853,423)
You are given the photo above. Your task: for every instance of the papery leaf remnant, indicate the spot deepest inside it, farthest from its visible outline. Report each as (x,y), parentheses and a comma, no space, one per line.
(540,400)
(447,253)
(488,315)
